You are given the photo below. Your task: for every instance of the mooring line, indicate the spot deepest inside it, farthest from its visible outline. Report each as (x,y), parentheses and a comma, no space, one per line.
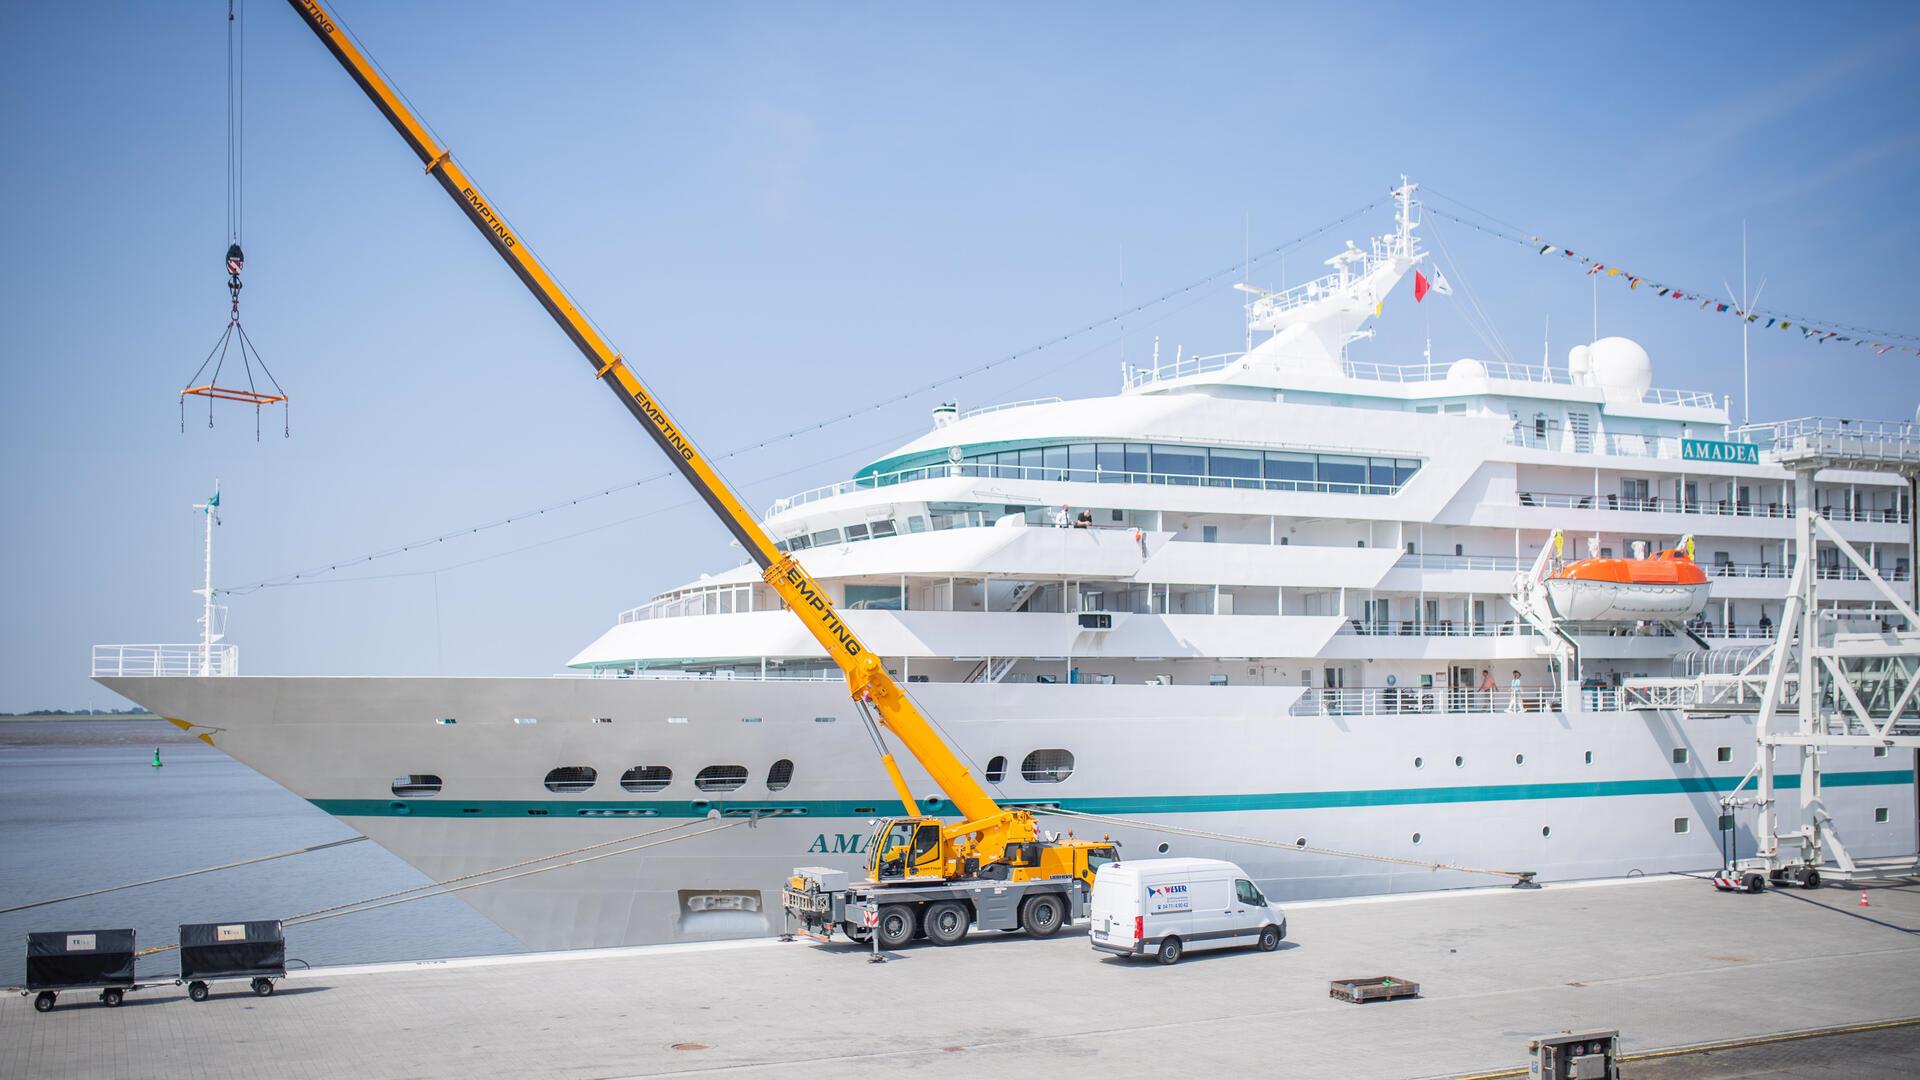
(1523,876)
(185,874)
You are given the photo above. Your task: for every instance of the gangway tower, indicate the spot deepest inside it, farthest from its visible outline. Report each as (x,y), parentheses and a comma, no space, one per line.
(1834,677)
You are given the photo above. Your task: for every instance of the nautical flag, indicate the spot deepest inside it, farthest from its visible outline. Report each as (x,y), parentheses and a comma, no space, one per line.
(1420,286)
(1440,284)
(1378,307)
(1596,268)
(1546,249)
(1613,271)
(1717,308)
(1784,325)
(1769,325)
(215,500)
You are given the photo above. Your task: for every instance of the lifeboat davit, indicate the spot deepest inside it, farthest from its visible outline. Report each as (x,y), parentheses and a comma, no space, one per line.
(1670,585)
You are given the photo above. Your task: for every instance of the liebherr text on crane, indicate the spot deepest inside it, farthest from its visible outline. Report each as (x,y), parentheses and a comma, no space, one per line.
(993,867)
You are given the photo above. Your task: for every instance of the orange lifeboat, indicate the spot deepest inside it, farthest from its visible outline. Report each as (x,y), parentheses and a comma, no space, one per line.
(1669,585)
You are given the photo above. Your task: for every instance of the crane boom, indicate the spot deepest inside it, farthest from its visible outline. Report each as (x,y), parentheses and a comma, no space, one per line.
(866,675)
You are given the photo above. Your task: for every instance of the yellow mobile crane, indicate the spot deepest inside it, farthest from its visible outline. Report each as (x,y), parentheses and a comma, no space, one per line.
(992,866)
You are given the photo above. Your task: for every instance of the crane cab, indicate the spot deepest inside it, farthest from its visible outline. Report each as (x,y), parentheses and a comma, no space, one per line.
(907,849)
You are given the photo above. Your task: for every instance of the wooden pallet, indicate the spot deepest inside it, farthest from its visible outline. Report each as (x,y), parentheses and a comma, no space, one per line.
(1377,988)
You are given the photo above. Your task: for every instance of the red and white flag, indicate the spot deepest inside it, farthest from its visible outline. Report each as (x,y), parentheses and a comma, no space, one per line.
(1420,286)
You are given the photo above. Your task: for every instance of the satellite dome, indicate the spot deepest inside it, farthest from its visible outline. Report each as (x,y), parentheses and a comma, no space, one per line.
(1580,364)
(1621,368)
(1465,370)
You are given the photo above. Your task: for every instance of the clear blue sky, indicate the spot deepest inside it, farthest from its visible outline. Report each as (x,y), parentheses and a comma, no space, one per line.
(783,211)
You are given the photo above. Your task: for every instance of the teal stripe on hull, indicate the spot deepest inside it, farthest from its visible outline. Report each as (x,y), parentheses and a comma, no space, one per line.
(577,809)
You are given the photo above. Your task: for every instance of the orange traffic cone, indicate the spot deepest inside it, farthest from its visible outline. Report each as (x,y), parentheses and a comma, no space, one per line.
(1863,899)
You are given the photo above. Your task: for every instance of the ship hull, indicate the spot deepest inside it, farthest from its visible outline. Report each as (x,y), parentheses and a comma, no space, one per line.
(1563,795)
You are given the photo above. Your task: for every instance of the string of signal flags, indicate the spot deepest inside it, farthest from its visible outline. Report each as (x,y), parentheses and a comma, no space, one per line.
(1816,330)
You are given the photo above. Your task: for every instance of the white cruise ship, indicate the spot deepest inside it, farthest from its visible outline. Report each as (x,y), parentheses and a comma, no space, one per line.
(1257,594)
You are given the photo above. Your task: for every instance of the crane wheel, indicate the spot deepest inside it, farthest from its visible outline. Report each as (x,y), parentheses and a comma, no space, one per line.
(1043,915)
(896,926)
(947,922)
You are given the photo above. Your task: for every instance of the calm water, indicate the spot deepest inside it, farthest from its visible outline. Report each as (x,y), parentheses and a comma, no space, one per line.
(81,807)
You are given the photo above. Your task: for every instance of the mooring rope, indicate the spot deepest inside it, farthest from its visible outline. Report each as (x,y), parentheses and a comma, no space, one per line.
(434,889)
(184,874)
(1280,845)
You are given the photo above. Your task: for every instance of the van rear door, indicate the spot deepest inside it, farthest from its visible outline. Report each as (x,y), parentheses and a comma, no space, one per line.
(1116,904)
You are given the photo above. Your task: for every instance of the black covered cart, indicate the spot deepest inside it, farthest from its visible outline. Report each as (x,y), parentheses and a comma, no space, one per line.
(79,960)
(255,951)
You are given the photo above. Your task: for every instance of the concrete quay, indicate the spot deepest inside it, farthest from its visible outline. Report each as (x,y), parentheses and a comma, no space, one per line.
(1668,961)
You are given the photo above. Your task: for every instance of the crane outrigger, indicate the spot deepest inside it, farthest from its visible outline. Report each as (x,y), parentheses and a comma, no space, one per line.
(926,874)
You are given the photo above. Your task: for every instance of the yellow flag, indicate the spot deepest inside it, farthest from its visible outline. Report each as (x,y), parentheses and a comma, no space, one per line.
(1378,307)
(1613,271)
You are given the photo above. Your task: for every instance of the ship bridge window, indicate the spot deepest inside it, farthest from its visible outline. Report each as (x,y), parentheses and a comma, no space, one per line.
(1234,468)
(779,775)
(824,537)
(571,779)
(872,597)
(883,529)
(642,779)
(1342,474)
(1289,469)
(856,532)
(1179,464)
(1049,766)
(721,778)
(416,785)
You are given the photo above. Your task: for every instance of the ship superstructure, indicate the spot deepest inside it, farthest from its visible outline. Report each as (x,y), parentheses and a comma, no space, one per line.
(1271,592)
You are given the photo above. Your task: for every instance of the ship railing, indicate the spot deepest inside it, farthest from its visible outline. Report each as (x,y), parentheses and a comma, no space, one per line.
(1889,441)
(1403,700)
(1178,368)
(619,672)
(1424,561)
(1005,405)
(165,661)
(1776,570)
(1655,504)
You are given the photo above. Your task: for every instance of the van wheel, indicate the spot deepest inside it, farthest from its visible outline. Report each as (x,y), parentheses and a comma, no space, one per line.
(1169,951)
(197,990)
(896,926)
(947,922)
(1269,938)
(1043,915)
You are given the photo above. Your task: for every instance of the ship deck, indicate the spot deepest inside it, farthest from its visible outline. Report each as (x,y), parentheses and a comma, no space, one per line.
(1668,961)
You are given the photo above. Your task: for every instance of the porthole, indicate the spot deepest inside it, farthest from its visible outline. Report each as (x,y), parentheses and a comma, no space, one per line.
(721,778)
(997,769)
(1047,766)
(1880,815)
(1162,849)
(780,775)
(1680,824)
(570,779)
(642,779)
(1679,755)
(1879,751)
(1519,759)
(1723,754)
(1458,761)
(1299,841)
(1589,757)
(1416,838)
(1546,830)
(416,785)
(1418,762)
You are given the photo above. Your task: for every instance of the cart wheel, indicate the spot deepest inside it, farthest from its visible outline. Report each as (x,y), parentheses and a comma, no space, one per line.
(263,987)
(1810,879)
(1754,883)
(197,990)
(110,997)
(43,1001)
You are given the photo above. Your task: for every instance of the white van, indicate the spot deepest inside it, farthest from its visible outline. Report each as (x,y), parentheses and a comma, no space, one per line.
(1164,907)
